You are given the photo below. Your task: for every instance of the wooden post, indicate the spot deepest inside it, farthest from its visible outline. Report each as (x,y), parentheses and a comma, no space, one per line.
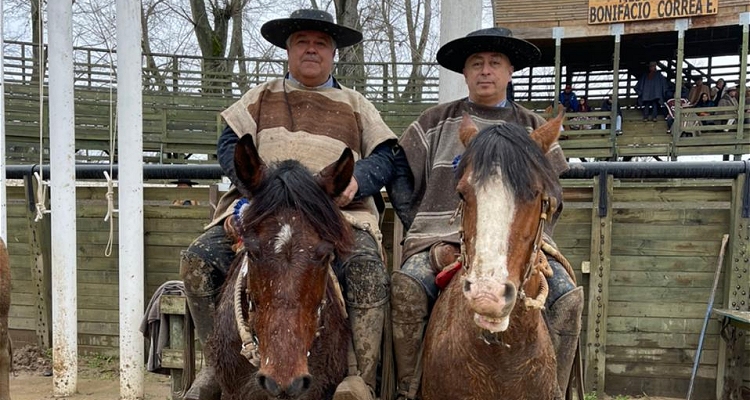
(745,22)
(732,357)
(41,268)
(601,249)
(557,34)
(681,26)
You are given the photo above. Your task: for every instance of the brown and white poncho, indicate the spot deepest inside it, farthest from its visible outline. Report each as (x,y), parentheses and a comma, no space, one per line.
(431,144)
(310,125)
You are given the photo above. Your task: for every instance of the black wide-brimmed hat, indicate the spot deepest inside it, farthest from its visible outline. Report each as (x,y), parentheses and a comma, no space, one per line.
(277,31)
(521,53)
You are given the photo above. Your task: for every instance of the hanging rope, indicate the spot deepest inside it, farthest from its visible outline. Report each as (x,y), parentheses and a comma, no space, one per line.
(41,195)
(110,196)
(111,210)
(41,187)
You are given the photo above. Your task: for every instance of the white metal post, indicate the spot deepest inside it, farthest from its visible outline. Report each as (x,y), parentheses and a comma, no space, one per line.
(63,198)
(3,192)
(457,19)
(130,195)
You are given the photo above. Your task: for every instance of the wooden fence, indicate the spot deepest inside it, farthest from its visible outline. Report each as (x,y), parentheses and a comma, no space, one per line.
(645,251)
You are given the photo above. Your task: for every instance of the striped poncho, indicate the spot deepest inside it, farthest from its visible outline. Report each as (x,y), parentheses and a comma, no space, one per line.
(431,144)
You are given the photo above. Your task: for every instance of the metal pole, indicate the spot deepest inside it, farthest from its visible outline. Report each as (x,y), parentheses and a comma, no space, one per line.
(63,198)
(720,261)
(457,18)
(130,196)
(3,192)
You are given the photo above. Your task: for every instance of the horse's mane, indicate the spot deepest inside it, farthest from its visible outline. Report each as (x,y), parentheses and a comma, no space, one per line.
(289,185)
(509,147)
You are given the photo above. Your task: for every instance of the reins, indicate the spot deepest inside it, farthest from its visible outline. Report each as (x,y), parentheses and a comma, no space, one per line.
(533,265)
(246,325)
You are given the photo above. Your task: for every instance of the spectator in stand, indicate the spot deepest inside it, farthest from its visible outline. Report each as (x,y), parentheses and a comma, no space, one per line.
(698,90)
(568,99)
(717,92)
(607,106)
(703,102)
(583,106)
(729,99)
(651,88)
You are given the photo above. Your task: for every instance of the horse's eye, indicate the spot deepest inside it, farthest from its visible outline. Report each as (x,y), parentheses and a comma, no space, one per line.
(252,245)
(461,195)
(324,253)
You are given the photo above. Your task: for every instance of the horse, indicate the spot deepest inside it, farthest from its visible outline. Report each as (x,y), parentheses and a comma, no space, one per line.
(486,338)
(6,352)
(281,329)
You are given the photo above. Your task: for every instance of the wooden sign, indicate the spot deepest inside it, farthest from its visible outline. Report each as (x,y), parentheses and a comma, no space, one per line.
(618,11)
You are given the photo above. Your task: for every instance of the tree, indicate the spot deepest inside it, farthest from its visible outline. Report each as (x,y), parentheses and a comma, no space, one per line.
(351,68)
(213,37)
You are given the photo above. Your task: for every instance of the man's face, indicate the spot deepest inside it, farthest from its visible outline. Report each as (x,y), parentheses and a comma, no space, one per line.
(310,57)
(487,76)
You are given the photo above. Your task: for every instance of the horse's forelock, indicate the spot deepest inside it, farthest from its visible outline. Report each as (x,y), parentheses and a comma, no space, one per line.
(289,185)
(509,148)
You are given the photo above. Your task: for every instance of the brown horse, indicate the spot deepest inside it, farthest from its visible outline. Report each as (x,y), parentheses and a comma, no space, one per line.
(281,329)
(5,347)
(486,338)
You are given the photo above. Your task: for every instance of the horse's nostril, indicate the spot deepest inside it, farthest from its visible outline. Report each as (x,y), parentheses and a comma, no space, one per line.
(299,385)
(269,385)
(467,286)
(510,292)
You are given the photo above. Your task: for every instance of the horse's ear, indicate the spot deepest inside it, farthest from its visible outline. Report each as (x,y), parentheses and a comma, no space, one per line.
(548,133)
(248,165)
(336,176)
(467,130)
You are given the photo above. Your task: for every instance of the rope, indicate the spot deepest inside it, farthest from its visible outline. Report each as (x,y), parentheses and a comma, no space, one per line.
(110,184)
(41,196)
(41,187)
(111,210)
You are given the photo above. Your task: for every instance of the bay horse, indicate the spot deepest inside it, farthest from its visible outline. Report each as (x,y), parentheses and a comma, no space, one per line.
(280,328)
(6,352)
(486,338)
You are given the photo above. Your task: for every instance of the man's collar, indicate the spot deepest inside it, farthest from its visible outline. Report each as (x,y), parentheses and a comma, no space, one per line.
(501,104)
(326,84)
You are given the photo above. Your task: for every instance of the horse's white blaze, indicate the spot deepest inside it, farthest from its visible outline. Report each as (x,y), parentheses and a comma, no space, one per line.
(283,238)
(495,210)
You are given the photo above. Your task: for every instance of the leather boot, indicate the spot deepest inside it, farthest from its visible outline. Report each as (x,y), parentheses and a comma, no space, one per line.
(202,304)
(409,313)
(367,334)
(564,323)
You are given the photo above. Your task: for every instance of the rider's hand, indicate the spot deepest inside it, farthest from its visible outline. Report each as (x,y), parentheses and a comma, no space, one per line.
(348,194)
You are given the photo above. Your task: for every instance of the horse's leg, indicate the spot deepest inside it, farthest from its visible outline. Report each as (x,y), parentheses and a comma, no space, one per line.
(5,356)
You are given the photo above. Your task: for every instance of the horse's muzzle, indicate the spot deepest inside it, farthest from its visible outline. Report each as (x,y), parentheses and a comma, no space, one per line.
(492,301)
(296,388)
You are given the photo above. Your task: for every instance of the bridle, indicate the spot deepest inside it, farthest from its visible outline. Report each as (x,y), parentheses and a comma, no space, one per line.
(548,207)
(245,318)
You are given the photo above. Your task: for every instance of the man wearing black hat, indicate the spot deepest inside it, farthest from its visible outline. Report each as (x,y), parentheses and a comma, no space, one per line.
(423,196)
(309,117)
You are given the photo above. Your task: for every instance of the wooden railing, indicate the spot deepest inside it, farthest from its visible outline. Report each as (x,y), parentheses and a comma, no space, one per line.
(181,108)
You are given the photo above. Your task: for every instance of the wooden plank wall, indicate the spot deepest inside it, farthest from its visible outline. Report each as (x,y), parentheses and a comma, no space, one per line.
(656,250)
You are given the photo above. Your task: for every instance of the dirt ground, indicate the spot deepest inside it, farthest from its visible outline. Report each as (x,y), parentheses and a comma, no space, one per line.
(97,378)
